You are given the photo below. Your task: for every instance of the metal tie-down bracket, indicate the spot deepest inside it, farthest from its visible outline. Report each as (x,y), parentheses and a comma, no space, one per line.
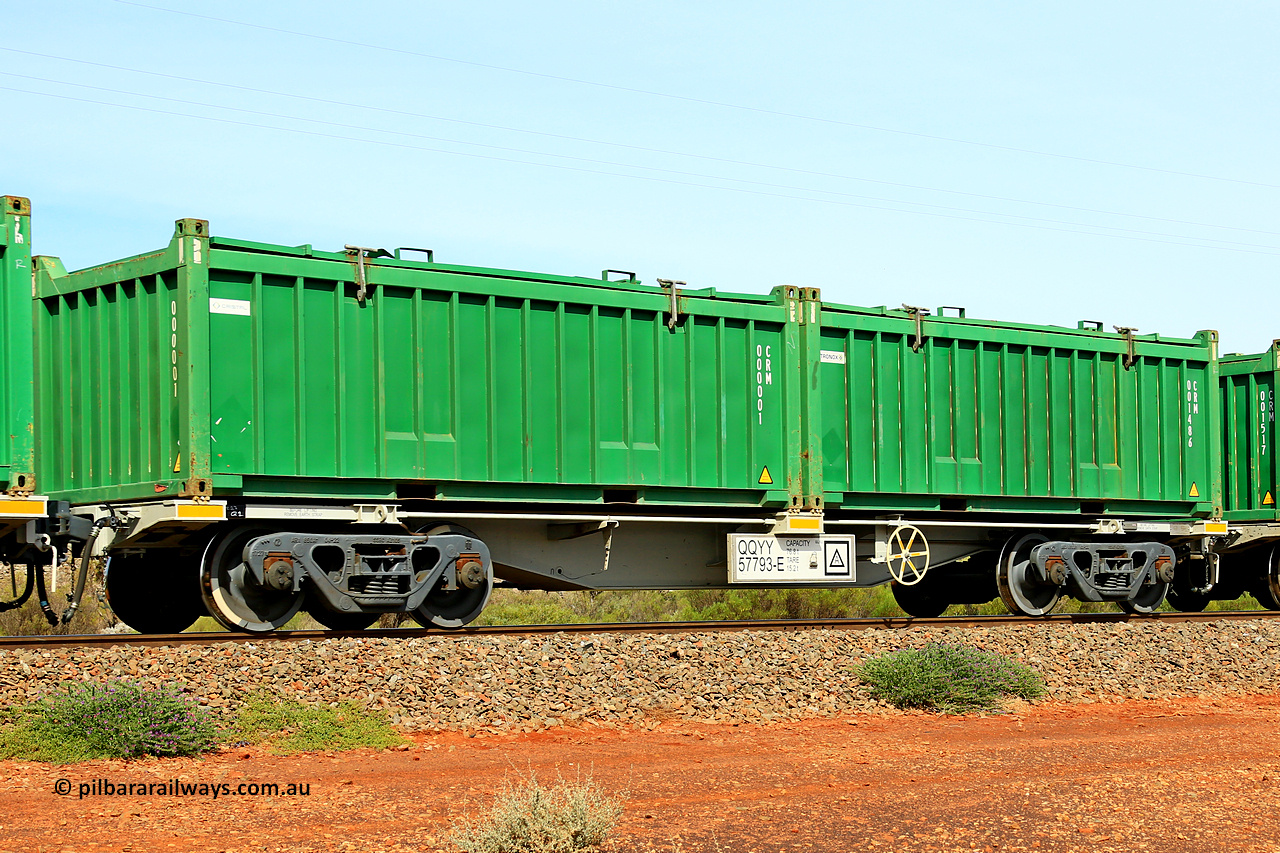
(918,314)
(358,255)
(673,289)
(1131,346)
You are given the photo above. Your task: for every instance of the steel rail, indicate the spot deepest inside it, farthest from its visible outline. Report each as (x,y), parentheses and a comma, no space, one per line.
(897,623)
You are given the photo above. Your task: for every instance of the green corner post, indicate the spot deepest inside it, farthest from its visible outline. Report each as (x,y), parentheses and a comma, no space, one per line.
(191,370)
(811,472)
(802,398)
(17,467)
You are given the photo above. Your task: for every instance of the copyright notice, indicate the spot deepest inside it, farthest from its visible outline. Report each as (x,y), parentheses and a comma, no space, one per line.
(178,788)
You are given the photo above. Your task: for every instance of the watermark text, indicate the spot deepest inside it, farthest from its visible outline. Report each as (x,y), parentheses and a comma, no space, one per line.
(178,788)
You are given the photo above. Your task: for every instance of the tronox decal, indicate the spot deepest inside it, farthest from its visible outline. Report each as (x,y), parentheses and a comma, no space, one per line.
(236,307)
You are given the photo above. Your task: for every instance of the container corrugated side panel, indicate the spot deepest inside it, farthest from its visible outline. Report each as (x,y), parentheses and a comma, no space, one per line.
(1037,418)
(1248,436)
(487,379)
(17,450)
(111,342)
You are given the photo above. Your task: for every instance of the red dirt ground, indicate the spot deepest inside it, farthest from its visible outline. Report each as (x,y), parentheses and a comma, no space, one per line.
(1175,775)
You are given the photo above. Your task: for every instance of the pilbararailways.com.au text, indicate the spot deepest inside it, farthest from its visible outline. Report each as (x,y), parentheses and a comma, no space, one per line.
(178,788)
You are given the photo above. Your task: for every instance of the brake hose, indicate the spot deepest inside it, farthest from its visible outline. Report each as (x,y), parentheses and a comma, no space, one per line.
(43,594)
(81,576)
(26,591)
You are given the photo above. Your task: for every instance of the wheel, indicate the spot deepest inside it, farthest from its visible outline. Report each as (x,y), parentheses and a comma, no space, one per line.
(335,621)
(230,592)
(917,602)
(1149,598)
(1019,590)
(1267,589)
(907,547)
(151,594)
(454,608)
(1181,597)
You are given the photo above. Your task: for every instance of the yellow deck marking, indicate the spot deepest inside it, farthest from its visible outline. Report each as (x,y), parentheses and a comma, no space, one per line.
(765,479)
(22,508)
(201,511)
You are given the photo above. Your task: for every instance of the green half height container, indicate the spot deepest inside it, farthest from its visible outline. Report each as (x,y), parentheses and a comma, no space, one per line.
(1249,447)
(932,412)
(228,368)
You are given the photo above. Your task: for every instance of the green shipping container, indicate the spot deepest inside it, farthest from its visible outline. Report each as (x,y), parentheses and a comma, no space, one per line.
(223,367)
(1249,410)
(947,413)
(17,448)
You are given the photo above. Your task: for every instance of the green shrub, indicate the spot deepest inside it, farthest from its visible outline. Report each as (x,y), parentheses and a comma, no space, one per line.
(120,719)
(529,818)
(948,678)
(291,726)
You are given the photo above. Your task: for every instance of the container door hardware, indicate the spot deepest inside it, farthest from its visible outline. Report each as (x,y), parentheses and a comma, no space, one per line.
(918,314)
(673,289)
(358,254)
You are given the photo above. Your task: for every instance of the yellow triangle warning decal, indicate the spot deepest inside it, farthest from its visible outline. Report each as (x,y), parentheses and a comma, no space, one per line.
(1195,493)
(1267,500)
(765,479)
(177,463)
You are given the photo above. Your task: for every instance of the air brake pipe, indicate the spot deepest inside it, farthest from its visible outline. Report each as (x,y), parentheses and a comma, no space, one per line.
(43,594)
(74,598)
(80,577)
(26,591)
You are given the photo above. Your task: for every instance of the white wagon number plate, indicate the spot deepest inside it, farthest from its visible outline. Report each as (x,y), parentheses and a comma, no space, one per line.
(790,559)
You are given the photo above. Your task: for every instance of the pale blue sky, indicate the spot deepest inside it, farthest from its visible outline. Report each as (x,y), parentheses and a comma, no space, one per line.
(1044,162)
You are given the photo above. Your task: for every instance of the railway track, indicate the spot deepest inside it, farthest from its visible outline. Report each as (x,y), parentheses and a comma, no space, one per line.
(887,622)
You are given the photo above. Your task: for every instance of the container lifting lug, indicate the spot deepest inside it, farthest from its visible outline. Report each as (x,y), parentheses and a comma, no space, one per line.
(358,255)
(673,289)
(1131,346)
(918,314)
